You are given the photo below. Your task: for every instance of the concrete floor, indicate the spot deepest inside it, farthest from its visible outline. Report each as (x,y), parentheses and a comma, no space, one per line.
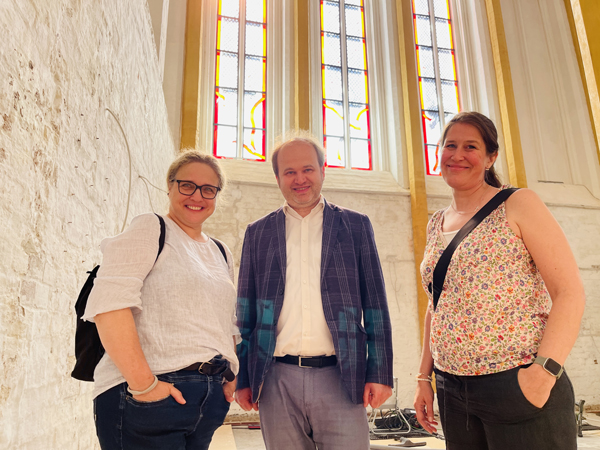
(227,438)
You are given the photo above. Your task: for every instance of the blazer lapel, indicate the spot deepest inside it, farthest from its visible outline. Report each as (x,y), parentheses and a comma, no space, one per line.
(279,241)
(331,222)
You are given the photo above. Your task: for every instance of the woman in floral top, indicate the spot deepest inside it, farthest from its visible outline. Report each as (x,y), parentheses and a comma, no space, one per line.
(509,312)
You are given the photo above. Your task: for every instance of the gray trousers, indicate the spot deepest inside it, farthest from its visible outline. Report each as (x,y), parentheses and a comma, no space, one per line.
(307,408)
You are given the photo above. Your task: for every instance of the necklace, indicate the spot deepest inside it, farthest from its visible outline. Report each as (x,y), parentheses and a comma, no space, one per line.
(462,213)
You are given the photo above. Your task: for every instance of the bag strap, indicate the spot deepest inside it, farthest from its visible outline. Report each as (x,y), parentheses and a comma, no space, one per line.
(220,245)
(441,268)
(161,239)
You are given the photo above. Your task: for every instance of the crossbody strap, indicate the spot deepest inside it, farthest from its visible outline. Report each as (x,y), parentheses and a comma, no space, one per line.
(441,268)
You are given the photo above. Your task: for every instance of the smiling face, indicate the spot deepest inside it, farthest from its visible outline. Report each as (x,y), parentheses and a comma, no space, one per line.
(464,157)
(300,178)
(190,212)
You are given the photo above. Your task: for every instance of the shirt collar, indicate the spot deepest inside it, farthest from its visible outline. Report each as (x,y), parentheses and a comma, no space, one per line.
(288,210)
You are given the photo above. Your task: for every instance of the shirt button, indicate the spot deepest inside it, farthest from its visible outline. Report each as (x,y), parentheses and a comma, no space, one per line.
(304,282)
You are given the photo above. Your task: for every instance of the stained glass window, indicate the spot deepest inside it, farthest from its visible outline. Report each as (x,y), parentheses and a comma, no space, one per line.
(241,67)
(438,83)
(346,117)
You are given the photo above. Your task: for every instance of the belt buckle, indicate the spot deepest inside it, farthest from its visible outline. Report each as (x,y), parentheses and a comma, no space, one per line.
(200,368)
(300,363)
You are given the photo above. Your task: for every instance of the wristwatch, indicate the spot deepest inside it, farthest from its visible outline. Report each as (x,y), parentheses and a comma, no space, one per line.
(550,366)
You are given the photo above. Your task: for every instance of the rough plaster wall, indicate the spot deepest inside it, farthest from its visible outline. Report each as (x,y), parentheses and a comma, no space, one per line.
(390,215)
(64,168)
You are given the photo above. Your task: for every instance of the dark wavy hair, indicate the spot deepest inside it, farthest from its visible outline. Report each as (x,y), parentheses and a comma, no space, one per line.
(489,134)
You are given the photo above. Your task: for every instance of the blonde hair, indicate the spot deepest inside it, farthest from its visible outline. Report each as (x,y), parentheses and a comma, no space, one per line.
(294,137)
(189,156)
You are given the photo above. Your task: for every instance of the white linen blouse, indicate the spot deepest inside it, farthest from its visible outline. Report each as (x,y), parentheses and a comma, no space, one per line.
(183,305)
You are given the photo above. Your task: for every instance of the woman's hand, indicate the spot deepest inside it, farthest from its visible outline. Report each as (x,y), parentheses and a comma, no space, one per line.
(229,389)
(424,406)
(536,384)
(160,392)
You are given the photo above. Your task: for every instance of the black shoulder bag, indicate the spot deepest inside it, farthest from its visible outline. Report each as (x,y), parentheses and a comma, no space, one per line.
(88,348)
(439,273)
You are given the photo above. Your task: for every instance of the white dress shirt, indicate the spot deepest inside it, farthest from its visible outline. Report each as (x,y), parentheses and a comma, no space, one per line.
(302,329)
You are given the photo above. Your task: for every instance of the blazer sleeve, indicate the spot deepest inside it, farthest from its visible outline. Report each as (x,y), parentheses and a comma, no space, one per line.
(246,307)
(376,315)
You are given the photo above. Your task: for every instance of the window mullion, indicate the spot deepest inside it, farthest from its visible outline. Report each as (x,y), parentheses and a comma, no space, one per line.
(345,91)
(241,73)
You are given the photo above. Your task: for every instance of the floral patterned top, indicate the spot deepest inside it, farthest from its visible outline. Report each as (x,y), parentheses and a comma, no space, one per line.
(494,305)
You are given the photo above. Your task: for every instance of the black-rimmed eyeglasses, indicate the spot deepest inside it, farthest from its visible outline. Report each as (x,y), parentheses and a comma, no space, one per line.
(206,190)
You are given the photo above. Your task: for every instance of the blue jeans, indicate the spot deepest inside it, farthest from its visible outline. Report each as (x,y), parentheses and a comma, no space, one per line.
(490,412)
(125,424)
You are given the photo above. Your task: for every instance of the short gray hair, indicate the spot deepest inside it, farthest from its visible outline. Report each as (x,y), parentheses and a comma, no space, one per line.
(298,137)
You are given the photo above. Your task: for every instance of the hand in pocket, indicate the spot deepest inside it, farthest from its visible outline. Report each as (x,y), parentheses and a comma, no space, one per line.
(536,384)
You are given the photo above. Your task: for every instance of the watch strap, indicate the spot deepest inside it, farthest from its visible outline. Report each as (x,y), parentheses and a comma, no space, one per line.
(543,361)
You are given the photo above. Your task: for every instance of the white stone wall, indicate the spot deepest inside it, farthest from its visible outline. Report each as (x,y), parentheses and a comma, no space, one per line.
(64,168)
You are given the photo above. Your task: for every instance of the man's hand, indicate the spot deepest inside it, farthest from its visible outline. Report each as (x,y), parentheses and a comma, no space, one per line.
(536,384)
(424,406)
(229,389)
(375,394)
(244,398)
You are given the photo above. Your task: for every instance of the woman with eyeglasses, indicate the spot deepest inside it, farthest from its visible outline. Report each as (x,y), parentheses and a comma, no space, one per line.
(167,323)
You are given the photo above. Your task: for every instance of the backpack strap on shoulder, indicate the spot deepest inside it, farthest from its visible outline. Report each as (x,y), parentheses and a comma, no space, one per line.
(161,239)
(221,247)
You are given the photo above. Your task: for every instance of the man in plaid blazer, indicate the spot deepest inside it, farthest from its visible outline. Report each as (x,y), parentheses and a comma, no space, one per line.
(316,336)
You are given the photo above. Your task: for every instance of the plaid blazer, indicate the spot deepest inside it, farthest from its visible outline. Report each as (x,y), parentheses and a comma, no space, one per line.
(352,291)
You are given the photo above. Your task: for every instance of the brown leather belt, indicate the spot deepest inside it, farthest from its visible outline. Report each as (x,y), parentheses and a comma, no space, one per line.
(308,361)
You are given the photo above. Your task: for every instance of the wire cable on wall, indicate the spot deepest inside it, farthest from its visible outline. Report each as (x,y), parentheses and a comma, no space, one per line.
(129,155)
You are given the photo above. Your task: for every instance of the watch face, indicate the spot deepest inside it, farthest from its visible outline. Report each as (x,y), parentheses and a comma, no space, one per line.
(552,366)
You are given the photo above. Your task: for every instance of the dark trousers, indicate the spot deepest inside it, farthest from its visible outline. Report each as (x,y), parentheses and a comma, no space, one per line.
(123,423)
(490,412)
